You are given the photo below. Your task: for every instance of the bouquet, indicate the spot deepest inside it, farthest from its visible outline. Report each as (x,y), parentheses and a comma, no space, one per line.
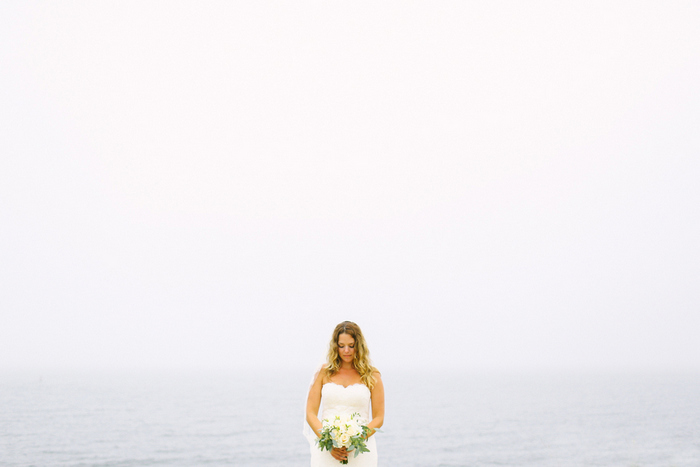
(344,432)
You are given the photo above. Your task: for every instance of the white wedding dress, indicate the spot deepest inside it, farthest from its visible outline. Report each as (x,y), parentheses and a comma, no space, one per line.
(340,400)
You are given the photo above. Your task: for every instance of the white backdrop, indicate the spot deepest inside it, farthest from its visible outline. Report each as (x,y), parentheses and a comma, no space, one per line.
(499,185)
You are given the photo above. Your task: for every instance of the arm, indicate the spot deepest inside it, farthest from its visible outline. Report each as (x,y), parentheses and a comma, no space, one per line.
(313,402)
(377,404)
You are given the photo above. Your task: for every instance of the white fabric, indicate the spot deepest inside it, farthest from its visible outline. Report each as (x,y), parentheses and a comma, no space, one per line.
(339,400)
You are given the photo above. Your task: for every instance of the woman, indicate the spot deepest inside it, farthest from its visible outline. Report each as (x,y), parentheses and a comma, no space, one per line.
(347,383)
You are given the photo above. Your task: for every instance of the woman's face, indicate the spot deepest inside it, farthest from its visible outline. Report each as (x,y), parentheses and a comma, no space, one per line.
(346,347)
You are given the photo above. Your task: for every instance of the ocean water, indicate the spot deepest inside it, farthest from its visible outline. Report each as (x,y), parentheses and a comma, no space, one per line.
(255,419)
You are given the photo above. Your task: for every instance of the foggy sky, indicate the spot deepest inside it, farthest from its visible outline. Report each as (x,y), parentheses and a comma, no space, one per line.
(479,185)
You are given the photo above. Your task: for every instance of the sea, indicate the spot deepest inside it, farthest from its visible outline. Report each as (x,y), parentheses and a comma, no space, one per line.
(255,418)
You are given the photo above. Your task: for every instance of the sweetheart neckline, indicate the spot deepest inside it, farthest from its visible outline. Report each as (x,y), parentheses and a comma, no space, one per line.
(345,387)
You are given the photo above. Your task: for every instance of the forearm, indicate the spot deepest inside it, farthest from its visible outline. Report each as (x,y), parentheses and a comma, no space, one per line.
(375,424)
(315,424)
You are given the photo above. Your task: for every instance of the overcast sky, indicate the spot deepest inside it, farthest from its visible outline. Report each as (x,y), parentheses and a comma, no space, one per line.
(479,185)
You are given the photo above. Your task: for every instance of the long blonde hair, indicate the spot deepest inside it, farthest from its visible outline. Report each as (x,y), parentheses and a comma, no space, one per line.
(361,360)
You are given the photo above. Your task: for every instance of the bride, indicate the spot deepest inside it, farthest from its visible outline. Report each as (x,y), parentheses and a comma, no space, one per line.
(346,383)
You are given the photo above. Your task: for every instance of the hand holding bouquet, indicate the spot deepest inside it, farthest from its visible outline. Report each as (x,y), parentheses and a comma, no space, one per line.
(344,432)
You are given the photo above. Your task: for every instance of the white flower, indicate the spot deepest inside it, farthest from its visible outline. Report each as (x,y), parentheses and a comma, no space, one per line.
(354,429)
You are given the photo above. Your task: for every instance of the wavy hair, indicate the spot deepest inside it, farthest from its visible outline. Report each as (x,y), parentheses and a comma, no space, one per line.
(361,360)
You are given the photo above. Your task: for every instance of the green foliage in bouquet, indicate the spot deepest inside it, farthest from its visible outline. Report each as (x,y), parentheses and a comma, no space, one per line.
(358,443)
(326,441)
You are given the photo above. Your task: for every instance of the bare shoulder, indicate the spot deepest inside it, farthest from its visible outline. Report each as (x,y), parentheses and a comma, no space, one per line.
(376,376)
(322,375)
(318,381)
(377,390)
